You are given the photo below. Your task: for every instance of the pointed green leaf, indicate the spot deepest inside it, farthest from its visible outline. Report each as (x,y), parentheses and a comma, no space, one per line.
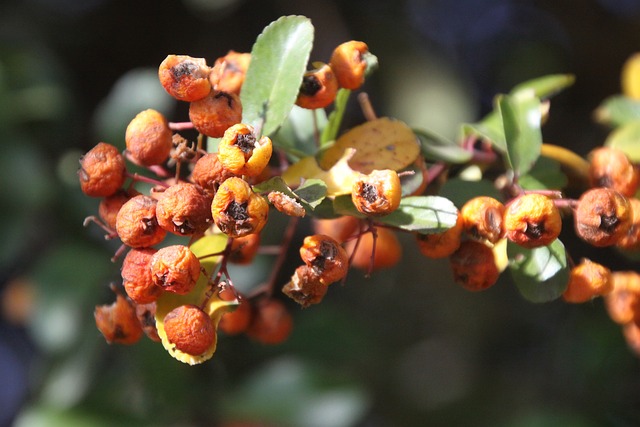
(279,59)
(546,86)
(330,132)
(521,118)
(618,110)
(423,214)
(541,274)
(489,129)
(437,148)
(545,174)
(627,139)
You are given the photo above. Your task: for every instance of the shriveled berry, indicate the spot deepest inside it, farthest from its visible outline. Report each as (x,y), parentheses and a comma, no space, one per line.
(349,64)
(136,276)
(237,321)
(286,204)
(271,322)
(305,287)
(532,220)
(244,249)
(587,280)
(149,139)
(631,333)
(339,229)
(118,322)
(377,193)
(229,71)
(623,302)
(326,257)
(184,209)
(110,206)
(209,173)
(631,240)
(482,217)
(238,211)
(136,223)
(473,266)
(146,314)
(175,269)
(241,153)
(190,329)
(611,168)
(388,250)
(443,244)
(215,113)
(185,78)
(602,217)
(318,89)
(102,171)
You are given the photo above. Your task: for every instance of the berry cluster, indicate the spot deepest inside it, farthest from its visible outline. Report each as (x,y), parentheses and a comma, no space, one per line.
(372,183)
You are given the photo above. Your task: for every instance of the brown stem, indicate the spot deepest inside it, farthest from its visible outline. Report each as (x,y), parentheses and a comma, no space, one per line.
(136,177)
(367,108)
(180,125)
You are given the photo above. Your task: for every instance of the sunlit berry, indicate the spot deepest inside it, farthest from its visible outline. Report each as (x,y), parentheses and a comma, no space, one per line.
(209,173)
(318,89)
(149,139)
(136,223)
(185,78)
(532,220)
(378,193)
(229,71)
(305,287)
(118,322)
(271,322)
(443,244)
(215,113)
(473,266)
(326,257)
(587,280)
(184,209)
(602,217)
(611,168)
(102,171)
(241,153)
(349,64)
(237,210)
(631,240)
(136,276)
(190,329)
(386,253)
(175,269)
(482,217)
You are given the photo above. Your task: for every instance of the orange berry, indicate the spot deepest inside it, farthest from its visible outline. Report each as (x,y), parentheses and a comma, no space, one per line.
(326,257)
(349,64)
(237,321)
(611,168)
(241,153)
(602,217)
(244,249)
(110,206)
(305,287)
(102,171)
(149,139)
(136,223)
(388,250)
(532,220)
(318,89)
(587,280)
(184,209)
(339,229)
(229,71)
(118,322)
(185,78)
(190,329)
(209,173)
(623,302)
(215,113)
(238,211)
(473,266)
(175,269)
(482,217)
(136,276)
(271,322)
(378,193)
(441,245)
(631,240)
(146,314)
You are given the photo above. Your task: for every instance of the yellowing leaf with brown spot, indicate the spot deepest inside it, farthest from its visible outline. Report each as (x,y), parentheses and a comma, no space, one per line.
(383,143)
(338,178)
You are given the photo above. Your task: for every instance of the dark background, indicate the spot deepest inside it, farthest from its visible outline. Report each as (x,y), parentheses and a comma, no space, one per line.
(404,348)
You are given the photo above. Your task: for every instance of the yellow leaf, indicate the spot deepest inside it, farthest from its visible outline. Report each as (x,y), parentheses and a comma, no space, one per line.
(630,79)
(339,178)
(383,143)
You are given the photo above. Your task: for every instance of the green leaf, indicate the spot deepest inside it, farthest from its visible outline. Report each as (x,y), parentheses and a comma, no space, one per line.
(437,148)
(279,59)
(489,129)
(459,191)
(541,274)
(618,110)
(297,135)
(330,132)
(422,214)
(521,119)
(546,86)
(545,174)
(627,139)
(310,194)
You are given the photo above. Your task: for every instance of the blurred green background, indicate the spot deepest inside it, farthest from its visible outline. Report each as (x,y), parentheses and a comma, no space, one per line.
(404,348)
